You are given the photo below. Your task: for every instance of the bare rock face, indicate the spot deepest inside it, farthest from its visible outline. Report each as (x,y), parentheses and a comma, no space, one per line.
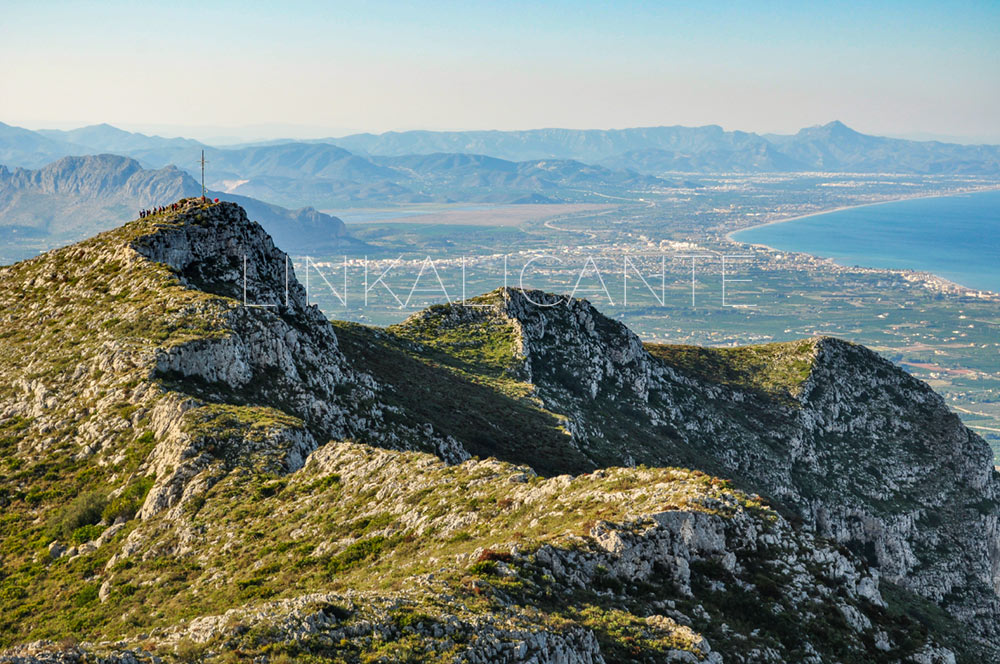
(276,349)
(270,349)
(569,347)
(868,455)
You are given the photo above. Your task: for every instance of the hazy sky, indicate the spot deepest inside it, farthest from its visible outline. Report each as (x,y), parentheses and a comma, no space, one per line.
(319,68)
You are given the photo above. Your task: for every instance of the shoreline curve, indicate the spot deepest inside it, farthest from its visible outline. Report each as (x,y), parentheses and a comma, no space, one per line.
(729,236)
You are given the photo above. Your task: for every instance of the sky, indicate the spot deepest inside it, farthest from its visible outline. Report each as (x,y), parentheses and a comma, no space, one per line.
(248,70)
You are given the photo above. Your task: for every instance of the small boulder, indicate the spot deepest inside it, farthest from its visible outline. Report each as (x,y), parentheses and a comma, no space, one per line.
(56,550)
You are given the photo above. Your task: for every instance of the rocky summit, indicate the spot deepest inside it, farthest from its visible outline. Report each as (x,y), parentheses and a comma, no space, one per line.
(514,478)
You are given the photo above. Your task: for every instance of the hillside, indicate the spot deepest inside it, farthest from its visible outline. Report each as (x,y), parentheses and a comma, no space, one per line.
(516,478)
(76,197)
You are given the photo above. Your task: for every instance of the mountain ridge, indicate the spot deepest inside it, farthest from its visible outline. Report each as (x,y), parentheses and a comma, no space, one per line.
(353,169)
(706,149)
(277,483)
(104,137)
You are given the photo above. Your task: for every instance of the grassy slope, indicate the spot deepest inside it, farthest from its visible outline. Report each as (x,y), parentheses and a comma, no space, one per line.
(777,370)
(255,537)
(490,413)
(65,314)
(400,532)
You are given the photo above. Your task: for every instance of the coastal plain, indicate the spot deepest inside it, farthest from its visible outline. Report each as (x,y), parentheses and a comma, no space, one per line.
(941,332)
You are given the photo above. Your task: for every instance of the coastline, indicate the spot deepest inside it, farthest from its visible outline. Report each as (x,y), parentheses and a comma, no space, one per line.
(817,213)
(923,275)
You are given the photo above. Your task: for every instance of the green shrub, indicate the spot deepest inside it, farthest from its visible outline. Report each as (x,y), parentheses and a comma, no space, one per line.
(86,595)
(406,618)
(194,505)
(86,533)
(84,510)
(484,568)
(271,488)
(767,587)
(189,651)
(327,482)
(359,551)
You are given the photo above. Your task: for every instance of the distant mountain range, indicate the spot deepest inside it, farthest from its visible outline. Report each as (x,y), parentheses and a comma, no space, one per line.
(316,173)
(657,150)
(105,138)
(329,176)
(75,197)
(552,165)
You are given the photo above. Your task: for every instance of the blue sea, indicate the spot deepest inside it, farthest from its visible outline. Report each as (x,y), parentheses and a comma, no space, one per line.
(955,237)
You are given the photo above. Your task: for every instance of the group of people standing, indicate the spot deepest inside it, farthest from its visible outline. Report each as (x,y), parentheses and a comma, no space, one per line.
(145,212)
(156,210)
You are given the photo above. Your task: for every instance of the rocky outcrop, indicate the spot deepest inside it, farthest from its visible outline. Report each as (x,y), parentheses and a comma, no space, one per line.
(215,317)
(48,652)
(271,349)
(569,346)
(868,455)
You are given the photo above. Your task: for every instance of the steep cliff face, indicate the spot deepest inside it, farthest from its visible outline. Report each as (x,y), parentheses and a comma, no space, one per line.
(887,468)
(866,454)
(214,384)
(196,471)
